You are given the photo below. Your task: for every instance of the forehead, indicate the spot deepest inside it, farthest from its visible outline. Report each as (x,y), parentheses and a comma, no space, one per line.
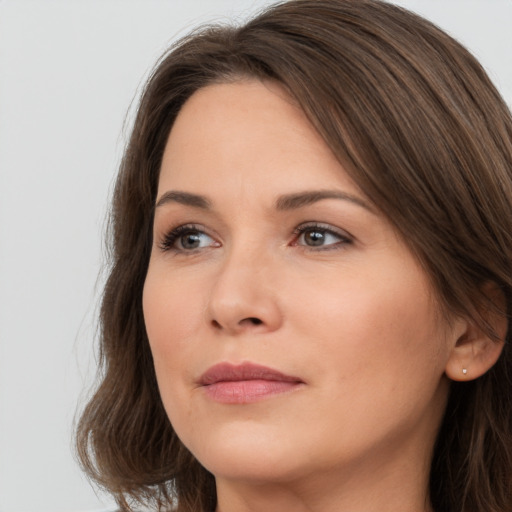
(247,133)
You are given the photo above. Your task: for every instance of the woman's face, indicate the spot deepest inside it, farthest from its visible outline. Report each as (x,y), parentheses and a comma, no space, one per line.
(266,254)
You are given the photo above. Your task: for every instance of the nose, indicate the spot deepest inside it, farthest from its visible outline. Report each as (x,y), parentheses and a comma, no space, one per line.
(244,297)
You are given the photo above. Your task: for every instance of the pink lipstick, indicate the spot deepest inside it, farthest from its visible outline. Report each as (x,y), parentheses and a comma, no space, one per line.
(238,384)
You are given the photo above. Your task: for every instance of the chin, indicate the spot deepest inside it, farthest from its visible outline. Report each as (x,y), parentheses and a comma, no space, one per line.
(241,453)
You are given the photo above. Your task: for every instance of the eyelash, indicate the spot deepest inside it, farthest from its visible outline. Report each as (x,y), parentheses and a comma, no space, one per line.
(169,240)
(344,238)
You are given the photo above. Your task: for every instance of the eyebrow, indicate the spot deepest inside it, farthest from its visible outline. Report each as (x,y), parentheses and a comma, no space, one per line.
(301,199)
(185,198)
(283,203)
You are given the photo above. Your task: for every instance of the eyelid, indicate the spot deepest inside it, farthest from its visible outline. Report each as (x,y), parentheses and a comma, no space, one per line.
(170,236)
(345,237)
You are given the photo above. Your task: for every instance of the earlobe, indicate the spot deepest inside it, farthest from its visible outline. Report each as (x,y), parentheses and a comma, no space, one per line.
(476,350)
(472,356)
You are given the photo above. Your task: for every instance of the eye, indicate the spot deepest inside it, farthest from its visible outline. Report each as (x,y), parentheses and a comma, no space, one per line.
(321,236)
(186,238)
(193,240)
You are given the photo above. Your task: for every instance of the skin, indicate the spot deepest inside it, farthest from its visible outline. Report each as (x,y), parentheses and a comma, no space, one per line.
(354,318)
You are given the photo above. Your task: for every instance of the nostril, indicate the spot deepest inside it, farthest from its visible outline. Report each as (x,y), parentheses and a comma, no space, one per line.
(244,322)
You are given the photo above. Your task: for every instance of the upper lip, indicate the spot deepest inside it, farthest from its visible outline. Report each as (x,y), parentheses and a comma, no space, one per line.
(227,372)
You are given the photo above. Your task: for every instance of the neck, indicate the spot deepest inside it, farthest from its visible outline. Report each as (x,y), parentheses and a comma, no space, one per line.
(325,496)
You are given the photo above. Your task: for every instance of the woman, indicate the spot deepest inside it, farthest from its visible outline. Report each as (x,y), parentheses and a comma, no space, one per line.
(311,281)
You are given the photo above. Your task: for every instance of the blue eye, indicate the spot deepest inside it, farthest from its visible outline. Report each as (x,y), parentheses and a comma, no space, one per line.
(320,236)
(186,238)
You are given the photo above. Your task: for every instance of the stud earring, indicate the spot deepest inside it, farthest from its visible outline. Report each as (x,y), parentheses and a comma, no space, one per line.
(464,371)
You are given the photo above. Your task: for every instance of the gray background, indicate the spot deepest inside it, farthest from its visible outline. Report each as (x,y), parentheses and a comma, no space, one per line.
(69,71)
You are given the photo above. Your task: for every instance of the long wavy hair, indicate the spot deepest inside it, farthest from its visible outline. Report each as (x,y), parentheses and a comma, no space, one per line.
(420,128)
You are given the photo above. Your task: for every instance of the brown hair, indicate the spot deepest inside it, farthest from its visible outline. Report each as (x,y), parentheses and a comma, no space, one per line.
(417,123)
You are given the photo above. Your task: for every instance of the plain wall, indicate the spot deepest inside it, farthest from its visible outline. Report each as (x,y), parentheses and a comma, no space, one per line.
(68,73)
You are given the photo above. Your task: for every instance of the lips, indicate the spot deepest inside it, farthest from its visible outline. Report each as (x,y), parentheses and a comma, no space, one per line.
(245,383)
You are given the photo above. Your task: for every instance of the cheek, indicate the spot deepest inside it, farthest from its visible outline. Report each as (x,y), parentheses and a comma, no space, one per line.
(374,327)
(172,321)
(171,309)
(374,349)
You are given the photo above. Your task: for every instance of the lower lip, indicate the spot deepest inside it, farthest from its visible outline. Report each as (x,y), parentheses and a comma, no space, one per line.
(247,391)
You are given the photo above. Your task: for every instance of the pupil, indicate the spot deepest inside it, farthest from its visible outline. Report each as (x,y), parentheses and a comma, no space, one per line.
(314,237)
(190,240)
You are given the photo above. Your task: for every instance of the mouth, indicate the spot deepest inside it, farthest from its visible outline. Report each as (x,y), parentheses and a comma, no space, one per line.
(245,383)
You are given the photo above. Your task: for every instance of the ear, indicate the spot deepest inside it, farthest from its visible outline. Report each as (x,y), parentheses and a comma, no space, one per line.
(474,351)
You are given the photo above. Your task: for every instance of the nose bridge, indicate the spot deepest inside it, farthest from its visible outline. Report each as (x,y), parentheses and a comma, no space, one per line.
(243,295)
